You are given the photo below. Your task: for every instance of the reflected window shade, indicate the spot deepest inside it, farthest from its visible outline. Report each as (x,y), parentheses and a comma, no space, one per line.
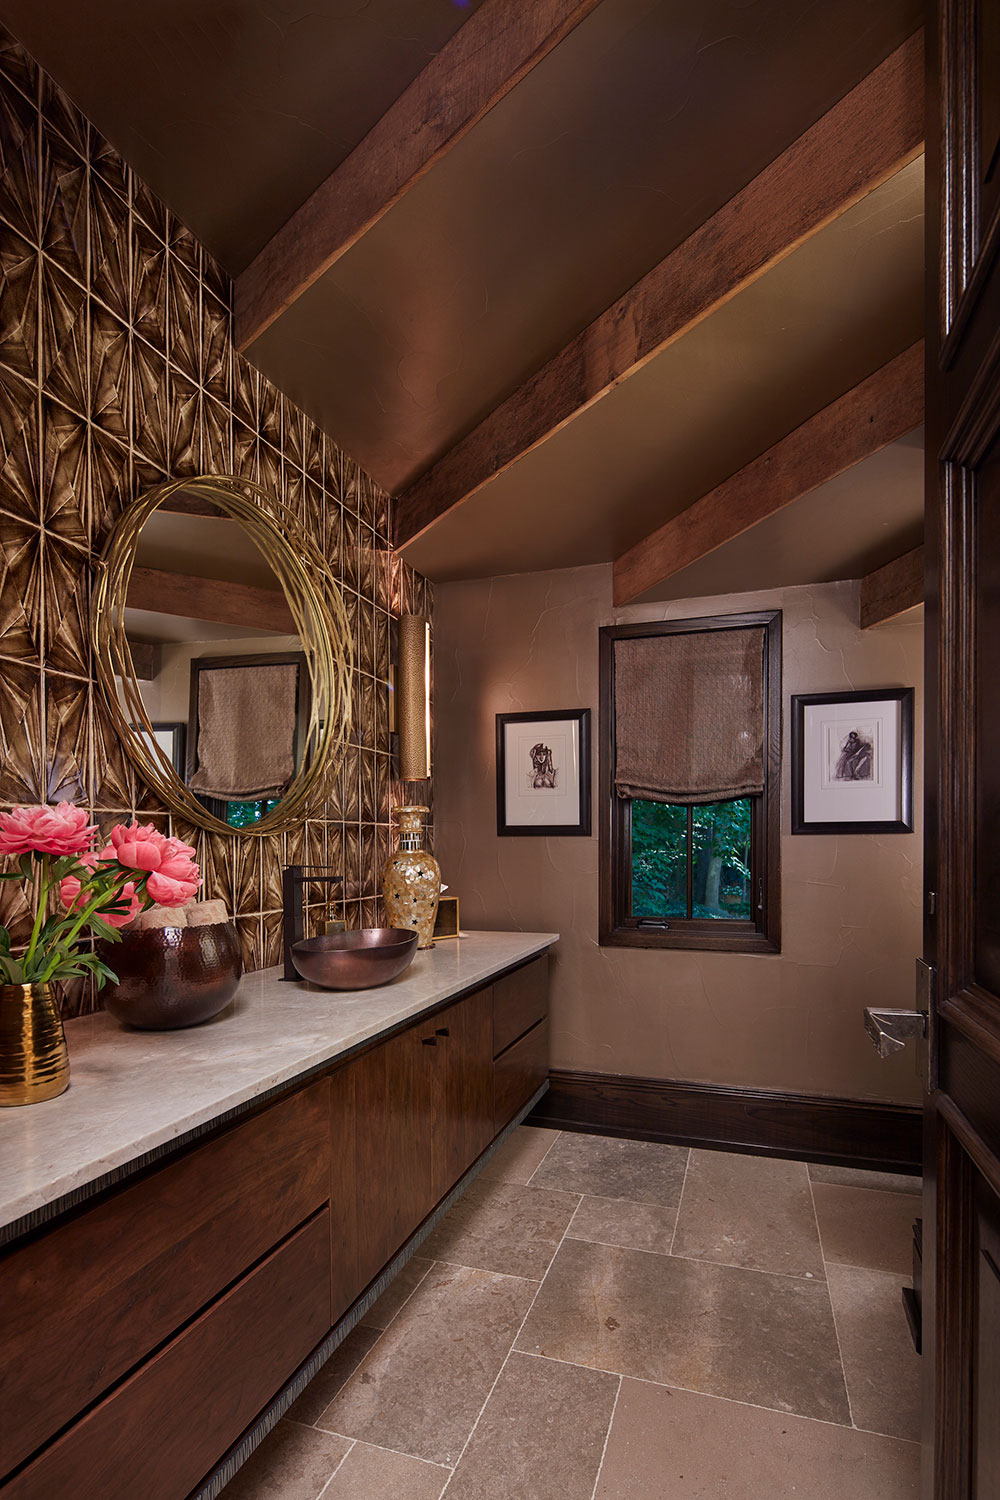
(689,716)
(246,731)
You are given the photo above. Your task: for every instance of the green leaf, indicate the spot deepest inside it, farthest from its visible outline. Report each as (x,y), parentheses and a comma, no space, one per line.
(10,969)
(4,940)
(11,875)
(104,930)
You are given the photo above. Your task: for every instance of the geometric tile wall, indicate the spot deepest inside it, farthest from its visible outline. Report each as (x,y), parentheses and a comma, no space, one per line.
(117,370)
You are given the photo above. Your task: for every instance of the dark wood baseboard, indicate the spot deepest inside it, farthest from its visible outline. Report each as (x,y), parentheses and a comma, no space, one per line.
(840,1132)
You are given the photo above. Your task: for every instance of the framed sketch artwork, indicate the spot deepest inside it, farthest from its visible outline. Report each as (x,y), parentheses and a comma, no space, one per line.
(543,773)
(852,762)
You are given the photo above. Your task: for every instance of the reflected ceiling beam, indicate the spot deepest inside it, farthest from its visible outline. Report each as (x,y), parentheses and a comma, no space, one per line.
(864,140)
(180,504)
(146,659)
(214,599)
(499,43)
(881,409)
(891,590)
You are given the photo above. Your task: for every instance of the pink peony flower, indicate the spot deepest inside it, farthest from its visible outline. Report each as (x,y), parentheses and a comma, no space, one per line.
(138,846)
(169,863)
(169,890)
(61,829)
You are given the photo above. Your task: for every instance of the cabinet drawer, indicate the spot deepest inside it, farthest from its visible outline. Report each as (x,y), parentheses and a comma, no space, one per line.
(520,1070)
(161,1432)
(90,1298)
(519,1001)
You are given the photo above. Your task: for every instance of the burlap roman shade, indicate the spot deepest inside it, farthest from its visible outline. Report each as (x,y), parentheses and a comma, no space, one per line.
(246,731)
(689,716)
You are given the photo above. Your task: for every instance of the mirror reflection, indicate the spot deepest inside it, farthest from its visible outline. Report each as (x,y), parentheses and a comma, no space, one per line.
(219,666)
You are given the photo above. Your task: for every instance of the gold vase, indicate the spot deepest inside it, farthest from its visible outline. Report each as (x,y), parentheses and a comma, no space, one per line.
(34,1062)
(411,880)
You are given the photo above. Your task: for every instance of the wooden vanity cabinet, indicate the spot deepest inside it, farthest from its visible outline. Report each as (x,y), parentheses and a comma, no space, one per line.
(423,1106)
(520,1038)
(87,1300)
(144,1334)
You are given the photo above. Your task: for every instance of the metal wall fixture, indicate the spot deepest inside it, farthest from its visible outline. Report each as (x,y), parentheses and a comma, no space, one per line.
(413,698)
(321,624)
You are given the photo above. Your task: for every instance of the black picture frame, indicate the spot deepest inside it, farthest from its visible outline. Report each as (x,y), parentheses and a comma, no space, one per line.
(508,823)
(176,734)
(902,819)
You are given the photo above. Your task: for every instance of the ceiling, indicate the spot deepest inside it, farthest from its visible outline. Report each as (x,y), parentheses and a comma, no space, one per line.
(641,123)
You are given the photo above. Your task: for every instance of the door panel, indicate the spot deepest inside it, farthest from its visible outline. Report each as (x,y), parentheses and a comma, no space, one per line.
(987,886)
(464,1124)
(962,863)
(394,1086)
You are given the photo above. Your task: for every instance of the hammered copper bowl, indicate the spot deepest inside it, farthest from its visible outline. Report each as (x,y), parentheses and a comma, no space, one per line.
(172,976)
(355,960)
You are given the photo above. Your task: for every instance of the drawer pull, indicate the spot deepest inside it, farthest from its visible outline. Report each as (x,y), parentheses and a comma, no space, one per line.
(429,1041)
(442,1031)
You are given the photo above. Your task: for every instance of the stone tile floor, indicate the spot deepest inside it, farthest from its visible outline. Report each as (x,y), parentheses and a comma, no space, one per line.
(601,1319)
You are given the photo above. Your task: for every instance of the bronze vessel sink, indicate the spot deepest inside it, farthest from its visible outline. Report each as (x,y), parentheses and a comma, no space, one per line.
(355,960)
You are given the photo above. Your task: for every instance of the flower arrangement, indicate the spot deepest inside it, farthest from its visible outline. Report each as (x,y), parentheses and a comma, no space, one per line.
(99,890)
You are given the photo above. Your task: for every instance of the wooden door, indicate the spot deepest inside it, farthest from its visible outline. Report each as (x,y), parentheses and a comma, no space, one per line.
(962,922)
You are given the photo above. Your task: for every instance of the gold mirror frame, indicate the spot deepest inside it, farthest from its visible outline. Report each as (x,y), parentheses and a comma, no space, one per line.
(317,609)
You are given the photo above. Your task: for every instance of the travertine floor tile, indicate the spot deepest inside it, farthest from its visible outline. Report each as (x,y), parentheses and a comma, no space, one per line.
(501,1226)
(520,1155)
(881,1365)
(641,1171)
(672,1445)
(369,1473)
(422,1386)
(335,1373)
(886,1182)
(753,1211)
(541,1434)
(396,1294)
(718,1329)
(292,1463)
(859,1227)
(616,1221)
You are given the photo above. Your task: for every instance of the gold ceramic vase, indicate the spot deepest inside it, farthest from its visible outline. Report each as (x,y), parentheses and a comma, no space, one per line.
(411,880)
(34,1062)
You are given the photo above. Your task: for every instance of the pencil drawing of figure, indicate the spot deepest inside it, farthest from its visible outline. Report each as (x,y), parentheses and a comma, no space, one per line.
(543,772)
(856,759)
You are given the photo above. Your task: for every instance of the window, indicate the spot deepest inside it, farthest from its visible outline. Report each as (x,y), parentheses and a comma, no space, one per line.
(690,782)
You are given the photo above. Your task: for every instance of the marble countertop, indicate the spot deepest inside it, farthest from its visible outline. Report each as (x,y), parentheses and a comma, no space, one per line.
(133,1092)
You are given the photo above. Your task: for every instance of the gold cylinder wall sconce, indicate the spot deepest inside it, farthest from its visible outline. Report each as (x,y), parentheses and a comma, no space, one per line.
(413,698)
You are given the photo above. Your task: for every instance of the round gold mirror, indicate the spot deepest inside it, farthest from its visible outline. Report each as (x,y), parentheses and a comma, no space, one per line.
(223,650)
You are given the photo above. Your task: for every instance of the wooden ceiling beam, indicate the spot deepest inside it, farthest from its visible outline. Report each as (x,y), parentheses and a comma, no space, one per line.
(889,591)
(865,139)
(214,599)
(881,409)
(499,43)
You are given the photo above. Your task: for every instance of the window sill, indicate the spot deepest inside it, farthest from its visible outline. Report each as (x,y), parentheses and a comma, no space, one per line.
(745,941)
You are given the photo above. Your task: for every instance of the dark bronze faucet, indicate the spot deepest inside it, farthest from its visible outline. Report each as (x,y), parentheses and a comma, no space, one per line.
(293,878)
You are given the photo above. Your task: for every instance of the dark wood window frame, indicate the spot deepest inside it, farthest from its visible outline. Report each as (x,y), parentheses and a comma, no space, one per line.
(618,928)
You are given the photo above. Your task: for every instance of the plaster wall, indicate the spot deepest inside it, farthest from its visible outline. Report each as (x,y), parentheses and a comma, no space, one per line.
(850,905)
